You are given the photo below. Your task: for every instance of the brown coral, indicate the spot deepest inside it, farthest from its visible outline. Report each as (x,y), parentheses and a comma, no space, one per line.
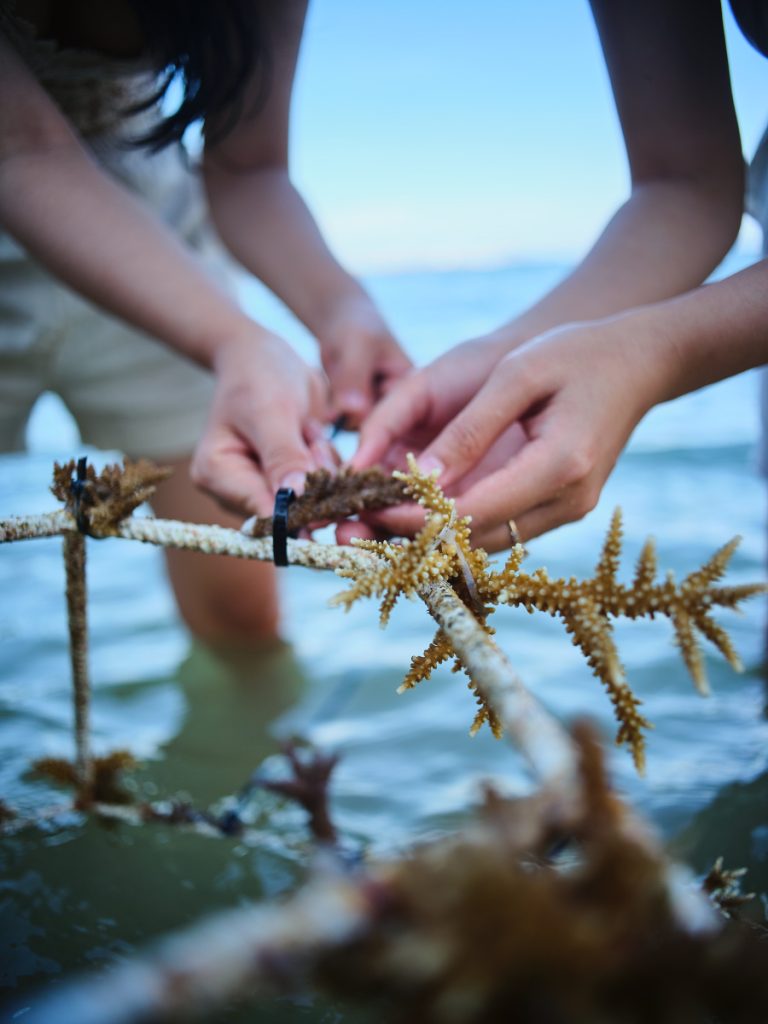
(105,784)
(332,497)
(723,886)
(488,926)
(100,500)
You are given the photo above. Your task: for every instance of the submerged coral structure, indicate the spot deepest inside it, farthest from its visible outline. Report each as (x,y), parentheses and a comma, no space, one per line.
(443,550)
(539,910)
(105,783)
(559,906)
(441,554)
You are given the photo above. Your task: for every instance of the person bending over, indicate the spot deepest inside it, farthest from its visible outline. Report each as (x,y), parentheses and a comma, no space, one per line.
(114,294)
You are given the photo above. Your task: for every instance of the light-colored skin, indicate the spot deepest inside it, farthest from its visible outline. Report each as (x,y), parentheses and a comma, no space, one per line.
(225,602)
(265,428)
(527,423)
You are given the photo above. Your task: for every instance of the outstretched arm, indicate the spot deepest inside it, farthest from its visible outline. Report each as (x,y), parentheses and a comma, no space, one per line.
(266,224)
(576,394)
(533,428)
(668,67)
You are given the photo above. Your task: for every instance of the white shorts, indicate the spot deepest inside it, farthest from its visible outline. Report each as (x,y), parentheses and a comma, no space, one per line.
(125,390)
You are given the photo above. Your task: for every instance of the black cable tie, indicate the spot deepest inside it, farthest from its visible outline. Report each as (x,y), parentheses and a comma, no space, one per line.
(280,532)
(77,490)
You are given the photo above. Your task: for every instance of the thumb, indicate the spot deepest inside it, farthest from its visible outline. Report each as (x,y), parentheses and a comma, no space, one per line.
(231,476)
(283,453)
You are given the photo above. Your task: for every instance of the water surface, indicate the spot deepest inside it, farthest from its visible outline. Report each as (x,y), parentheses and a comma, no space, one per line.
(83,895)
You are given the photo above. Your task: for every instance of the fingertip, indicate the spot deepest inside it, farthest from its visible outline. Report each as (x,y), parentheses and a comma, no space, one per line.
(352,529)
(368,452)
(313,430)
(400,521)
(325,455)
(350,409)
(354,402)
(248,524)
(293,481)
(261,504)
(429,464)
(358,461)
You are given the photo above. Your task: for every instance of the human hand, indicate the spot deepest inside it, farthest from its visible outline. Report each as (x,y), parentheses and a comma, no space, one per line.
(264,428)
(419,406)
(361,358)
(575,393)
(414,413)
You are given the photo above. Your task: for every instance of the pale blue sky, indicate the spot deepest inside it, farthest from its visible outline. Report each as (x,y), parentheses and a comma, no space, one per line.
(441,133)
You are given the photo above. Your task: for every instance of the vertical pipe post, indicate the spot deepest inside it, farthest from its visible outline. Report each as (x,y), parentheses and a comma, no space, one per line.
(74,561)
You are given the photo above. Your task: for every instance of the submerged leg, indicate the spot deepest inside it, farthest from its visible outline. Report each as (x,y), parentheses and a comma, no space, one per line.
(223,600)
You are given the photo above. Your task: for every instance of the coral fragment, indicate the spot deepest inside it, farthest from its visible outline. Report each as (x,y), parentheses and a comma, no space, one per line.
(443,549)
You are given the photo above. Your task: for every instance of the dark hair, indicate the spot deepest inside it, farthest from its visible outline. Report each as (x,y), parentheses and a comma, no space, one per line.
(752,18)
(213,49)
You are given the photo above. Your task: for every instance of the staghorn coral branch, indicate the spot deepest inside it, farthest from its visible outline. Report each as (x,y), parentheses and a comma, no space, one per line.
(712,570)
(593,635)
(249,949)
(689,649)
(585,607)
(608,566)
(646,569)
(541,739)
(402,568)
(308,786)
(731,597)
(99,501)
(483,912)
(442,552)
(549,752)
(718,636)
(422,665)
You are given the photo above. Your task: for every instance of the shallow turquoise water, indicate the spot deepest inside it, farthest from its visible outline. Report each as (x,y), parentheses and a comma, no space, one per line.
(83,895)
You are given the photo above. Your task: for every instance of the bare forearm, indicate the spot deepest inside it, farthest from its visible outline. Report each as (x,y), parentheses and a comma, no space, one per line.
(266,224)
(665,240)
(96,237)
(713,332)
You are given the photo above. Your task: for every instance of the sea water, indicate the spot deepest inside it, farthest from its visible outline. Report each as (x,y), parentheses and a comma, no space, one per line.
(80,895)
